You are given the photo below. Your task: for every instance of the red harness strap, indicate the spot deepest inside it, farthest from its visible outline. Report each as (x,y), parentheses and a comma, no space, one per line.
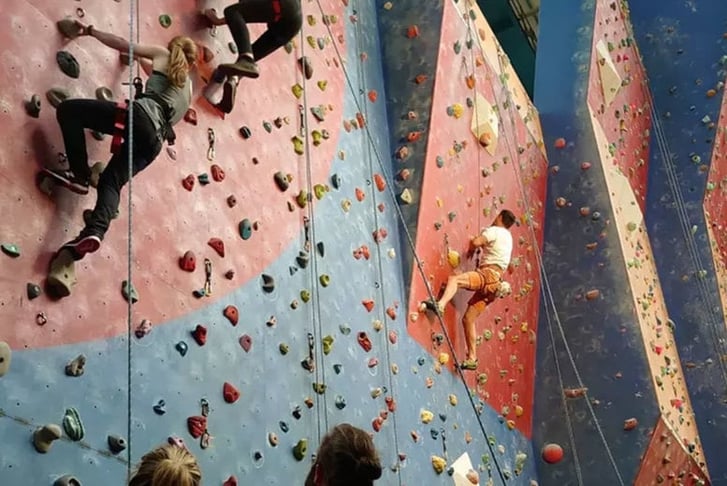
(277,10)
(119,126)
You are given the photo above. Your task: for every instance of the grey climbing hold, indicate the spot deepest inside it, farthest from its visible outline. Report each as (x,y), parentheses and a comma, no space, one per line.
(345,329)
(68,64)
(72,425)
(338,368)
(116,444)
(181,348)
(302,259)
(340,402)
(104,94)
(268,283)
(336,181)
(32,106)
(129,292)
(67,480)
(33,290)
(321,249)
(6,355)
(43,437)
(233,47)
(76,367)
(284,427)
(98,135)
(281,180)
(245,229)
(10,250)
(160,408)
(56,96)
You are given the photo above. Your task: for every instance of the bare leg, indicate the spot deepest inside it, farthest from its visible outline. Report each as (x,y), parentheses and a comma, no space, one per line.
(470,332)
(454,283)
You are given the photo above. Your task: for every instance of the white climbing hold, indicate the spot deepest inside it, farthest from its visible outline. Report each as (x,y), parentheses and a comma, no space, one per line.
(6,355)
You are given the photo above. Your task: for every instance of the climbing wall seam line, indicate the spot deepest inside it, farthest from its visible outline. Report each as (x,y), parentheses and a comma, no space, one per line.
(420,267)
(379,257)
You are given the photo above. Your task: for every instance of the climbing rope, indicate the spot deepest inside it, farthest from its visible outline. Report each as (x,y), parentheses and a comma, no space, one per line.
(417,259)
(319,369)
(545,287)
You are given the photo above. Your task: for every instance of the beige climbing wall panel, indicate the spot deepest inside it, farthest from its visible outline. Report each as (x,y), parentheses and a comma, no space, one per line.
(610,79)
(485,122)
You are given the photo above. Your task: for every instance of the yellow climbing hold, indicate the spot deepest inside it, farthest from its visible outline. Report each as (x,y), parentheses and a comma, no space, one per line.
(426,416)
(453,258)
(519,411)
(439,464)
(443,358)
(453,400)
(312,41)
(317,137)
(457,110)
(406,196)
(319,190)
(510,424)
(439,202)
(298,145)
(322,84)
(297,90)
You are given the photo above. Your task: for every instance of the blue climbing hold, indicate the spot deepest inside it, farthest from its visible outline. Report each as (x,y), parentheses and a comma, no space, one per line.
(245,229)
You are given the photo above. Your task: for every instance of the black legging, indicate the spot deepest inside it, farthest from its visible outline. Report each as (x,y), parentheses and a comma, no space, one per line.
(74,116)
(280,30)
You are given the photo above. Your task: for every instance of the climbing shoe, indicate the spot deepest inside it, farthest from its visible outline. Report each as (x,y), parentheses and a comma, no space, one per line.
(228,96)
(67,179)
(82,245)
(243,67)
(468,364)
(431,306)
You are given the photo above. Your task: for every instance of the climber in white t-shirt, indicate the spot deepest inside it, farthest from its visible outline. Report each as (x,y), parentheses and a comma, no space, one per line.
(486,281)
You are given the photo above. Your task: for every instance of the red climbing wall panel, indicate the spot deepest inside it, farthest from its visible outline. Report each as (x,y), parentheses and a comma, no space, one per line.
(666,461)
(463,190)
(167,220)
(618,94)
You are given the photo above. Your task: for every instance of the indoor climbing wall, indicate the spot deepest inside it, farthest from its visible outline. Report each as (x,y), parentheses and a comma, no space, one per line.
(684,50)
(607,358)
(269,297)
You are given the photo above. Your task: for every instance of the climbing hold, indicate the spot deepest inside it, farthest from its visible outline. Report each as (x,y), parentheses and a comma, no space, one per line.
(325,280)
(143,328)
(302,259)
(552,453)
(327,342)
(593,294)
(283,348)
(67,480)
(68,64)
(104,94)
(298,145)
(300,449)
(268,283)
(116,444)
(368,304)
(630,424)
(217,173)
(393,337)
(188,182)
(320,246)
(231,481)
(245,132)
(412,31)
(337,368)
(200,334)
(231,201)
(160,408)
(6,355)
(181,348)
(230,393)
(76,367)
(319,388)
(282,181)
(188,262)
(32,106)
(69,28)
(197,425)
(559,143)
(364,341)
(297,90)
(426,416)
(439,464)
(232,314)
(245,229)
(203,179)
(305,295)
(129,292)
(165,21)
(319,190)
(72,425)
(217,245)
(32,290)
(345,329)
(190,116)
(56,96)
(246,342)
(305,67)
(10,250)
(43,437)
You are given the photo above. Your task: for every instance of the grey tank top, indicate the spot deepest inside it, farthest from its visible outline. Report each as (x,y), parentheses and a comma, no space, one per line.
(178,99)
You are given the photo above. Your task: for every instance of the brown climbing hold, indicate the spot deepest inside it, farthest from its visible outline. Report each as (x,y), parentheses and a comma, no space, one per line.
(232,314)
(43,437)
(218,246)
(593,294)
(282,181)
(630,424)
(231,201)
(188,182)
(421,78)
(200,334)
(56,96)
(230,393)
(305,67)
(191,116)
(217,173)
(380,182)
(368,304)
(412,32)
(77,366)
(470,81)
(230,274)
(197,425)
(485,140)
(188,262)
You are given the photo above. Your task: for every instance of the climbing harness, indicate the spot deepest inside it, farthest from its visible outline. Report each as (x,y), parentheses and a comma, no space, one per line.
(122,110)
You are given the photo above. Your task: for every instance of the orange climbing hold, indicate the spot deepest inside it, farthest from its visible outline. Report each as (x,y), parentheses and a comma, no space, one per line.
(368,304)
(421,78)
(413,136)
(373,96)
(470,80)
(360,195)
(380,182)
(232,314)
(559,143)
(593,294)
(412,31)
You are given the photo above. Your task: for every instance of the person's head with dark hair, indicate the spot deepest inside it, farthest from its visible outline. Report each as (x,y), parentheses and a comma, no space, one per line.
(506,219)
(346,457)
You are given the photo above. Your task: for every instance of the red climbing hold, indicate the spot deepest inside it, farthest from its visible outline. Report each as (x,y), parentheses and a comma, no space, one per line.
(391,312)
(217,245)
(188,262)
(364,341)
(200,334)
(230,393)
(188,182)
(390,404)
(380,235)
(552,453)
(191,116)
(360,195)
(413,136)
(373,95)
(197,425)
(559,143)
(412,31)
(380,182)
(377,423)
(231,481)
(368,304)
(361,120)
(231,314)
(217,173)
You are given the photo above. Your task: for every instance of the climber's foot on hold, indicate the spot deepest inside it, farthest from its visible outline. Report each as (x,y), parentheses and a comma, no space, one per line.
(229,91)
(82,245)
(68,180)
(432,306)
(244,67)
(468,364)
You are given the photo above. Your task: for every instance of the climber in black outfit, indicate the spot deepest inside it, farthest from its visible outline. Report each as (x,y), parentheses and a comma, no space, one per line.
(163,103)
(284,19)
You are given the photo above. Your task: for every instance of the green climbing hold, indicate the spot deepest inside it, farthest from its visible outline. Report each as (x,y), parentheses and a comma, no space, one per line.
(268,126)
(327,344)
(325,280)
(165,21)
(457,47)
(283,348)
(72,425)
(305,295)
(300,449)
(11,250)
(245,229)
(129,292)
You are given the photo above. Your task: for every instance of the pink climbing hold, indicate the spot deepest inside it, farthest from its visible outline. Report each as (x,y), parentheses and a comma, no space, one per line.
(231,314)
(197,425)
(231,481)
(200,334)
(393,337)
(585,165)
(217,245)
(188,262)
(246,342)
(230,393)
(373,362)
(391,312)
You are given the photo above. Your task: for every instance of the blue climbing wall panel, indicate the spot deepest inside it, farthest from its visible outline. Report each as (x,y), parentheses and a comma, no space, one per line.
(274,387)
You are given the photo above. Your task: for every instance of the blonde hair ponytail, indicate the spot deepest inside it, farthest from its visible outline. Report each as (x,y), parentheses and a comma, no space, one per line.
(167,465)
(182,54)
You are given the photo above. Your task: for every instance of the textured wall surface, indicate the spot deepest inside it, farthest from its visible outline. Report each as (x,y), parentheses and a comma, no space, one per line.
(607,361)
(683,48)
(386,388)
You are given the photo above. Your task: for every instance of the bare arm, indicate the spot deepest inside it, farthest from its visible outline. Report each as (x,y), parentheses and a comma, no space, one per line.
(120,44)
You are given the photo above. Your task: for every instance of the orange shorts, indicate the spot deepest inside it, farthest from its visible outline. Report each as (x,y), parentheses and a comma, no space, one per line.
(485,282)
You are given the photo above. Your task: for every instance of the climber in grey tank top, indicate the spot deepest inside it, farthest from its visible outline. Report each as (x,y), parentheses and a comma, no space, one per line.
(163,103)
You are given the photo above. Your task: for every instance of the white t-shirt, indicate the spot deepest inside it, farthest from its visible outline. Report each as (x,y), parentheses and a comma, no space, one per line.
(498,247)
